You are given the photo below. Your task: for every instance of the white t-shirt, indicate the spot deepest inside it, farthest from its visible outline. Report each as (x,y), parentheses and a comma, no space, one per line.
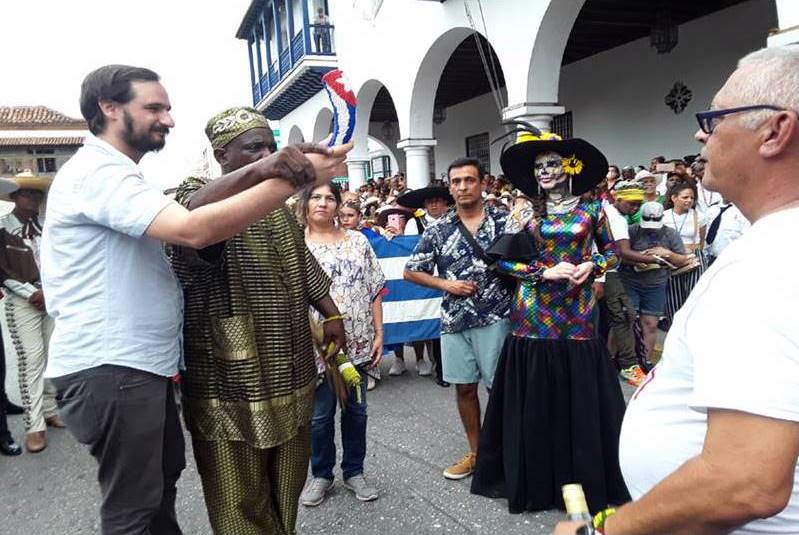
(109,287)
(708,202)
(732,346)
(684,224)
(412,227)
(731,226)
(618,225)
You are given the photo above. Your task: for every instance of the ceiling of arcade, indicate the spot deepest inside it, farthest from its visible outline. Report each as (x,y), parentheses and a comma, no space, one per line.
(601,25)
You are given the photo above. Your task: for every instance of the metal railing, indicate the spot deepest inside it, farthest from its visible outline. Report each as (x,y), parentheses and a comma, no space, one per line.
(320,42)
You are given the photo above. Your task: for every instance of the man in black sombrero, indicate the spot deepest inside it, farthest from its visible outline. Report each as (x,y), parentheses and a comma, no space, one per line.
(434,201)
(555,410)
(429,204)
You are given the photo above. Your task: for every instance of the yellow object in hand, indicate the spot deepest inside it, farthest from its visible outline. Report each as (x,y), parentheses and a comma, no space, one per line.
(350,374)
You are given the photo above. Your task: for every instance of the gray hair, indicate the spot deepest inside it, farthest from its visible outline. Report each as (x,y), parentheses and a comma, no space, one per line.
(774,80)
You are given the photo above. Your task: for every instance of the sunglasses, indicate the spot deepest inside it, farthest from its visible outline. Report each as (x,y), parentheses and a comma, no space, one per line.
(651,218)
(709,120)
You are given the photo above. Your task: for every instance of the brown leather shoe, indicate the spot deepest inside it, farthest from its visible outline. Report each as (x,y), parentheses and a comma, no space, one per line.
(55,421)
(35,442)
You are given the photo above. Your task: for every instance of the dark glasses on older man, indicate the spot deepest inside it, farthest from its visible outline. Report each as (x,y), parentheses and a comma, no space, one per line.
(708,120)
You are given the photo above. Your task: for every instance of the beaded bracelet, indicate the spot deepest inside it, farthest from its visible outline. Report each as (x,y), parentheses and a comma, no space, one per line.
(601,517)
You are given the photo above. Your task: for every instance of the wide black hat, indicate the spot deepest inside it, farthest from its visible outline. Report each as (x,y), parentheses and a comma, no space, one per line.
(584,162)
(416,198)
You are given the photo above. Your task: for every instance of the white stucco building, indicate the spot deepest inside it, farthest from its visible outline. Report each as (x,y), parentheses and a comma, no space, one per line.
(627,75)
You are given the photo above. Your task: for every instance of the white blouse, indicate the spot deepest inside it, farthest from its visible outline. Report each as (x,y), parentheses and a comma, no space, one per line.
(684,224)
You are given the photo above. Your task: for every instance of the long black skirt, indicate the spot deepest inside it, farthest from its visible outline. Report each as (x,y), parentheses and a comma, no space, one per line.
(553,418)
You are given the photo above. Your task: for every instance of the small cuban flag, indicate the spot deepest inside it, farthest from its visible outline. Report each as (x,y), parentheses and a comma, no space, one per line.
(343,101)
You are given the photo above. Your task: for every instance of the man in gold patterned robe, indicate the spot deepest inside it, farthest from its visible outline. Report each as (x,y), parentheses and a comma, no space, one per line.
(250,375)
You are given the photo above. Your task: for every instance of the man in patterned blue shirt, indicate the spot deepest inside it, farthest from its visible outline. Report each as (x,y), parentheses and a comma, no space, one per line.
(476,302)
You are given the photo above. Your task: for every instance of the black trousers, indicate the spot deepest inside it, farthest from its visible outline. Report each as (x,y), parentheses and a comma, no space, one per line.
(129,420)
(4,434)
(436,342)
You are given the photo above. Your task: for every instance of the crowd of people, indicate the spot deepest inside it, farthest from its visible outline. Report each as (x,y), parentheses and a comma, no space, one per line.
(554,277)
(663,255)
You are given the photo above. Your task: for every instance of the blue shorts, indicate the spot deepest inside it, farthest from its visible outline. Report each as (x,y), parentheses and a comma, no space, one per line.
(470,356)
(647,300)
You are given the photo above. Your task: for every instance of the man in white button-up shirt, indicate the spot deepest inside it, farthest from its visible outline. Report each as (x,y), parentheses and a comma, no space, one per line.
(116,303)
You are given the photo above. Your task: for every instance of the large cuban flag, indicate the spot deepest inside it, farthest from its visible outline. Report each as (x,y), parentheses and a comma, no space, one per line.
(410,312)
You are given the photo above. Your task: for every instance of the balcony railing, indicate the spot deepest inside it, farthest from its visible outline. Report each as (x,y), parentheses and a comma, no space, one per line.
(322,42)
(314,40)
(274,75)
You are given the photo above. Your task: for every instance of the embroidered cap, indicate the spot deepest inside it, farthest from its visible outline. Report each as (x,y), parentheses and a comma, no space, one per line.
(225,126)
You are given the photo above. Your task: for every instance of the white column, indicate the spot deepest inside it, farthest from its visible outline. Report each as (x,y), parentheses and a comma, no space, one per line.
(788,15)
(417,161)
(357,173)
(538,115)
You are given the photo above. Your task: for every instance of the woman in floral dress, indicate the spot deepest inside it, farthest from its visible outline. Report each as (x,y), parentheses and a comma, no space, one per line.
(356,284)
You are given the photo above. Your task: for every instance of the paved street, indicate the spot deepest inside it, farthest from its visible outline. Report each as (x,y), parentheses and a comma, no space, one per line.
(414,432)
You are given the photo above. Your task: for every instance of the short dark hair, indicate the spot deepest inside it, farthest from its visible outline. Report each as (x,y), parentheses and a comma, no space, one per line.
(659,159)
(110,82)
(467,161)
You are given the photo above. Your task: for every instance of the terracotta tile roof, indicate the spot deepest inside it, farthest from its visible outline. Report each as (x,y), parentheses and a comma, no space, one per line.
(27,116)
(71,141)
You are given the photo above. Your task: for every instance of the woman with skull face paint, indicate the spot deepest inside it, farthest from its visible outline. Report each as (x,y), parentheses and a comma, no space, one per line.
(555,411)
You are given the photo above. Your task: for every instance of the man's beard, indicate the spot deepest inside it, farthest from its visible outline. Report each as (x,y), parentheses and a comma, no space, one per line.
(143,142)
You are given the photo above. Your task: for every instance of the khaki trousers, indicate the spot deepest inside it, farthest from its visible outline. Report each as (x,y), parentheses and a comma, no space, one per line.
(29,331)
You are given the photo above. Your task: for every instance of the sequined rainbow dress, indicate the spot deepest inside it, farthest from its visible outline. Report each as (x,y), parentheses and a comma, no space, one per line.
(555,412)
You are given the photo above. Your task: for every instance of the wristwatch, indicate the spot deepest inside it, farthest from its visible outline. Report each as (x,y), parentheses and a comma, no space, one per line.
(586,530)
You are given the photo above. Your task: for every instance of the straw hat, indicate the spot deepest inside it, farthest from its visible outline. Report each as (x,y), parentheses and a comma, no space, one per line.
(24,180)
(7,187)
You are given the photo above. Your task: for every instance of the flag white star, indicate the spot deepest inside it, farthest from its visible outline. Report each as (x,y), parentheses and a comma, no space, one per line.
(344,83)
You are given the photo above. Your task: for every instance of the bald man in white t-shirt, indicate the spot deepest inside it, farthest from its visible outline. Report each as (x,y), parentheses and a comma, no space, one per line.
(710,441)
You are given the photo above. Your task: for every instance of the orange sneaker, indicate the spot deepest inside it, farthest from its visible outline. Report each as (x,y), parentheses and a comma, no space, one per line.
(462,468)
(634,375)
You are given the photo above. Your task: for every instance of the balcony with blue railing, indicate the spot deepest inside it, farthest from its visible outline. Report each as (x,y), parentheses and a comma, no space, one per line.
(306,55)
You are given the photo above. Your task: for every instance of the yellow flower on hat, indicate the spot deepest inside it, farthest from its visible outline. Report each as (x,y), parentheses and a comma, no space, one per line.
(572,165)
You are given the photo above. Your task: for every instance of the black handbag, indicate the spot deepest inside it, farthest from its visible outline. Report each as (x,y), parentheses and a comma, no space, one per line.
(489,258)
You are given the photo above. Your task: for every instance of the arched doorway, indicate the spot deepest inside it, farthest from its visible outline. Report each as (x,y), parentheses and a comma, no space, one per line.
(632,87)
(457,101)
(376,120)
(295,135)
(323,125)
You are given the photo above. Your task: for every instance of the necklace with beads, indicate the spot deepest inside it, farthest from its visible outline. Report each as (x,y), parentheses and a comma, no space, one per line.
(561,204)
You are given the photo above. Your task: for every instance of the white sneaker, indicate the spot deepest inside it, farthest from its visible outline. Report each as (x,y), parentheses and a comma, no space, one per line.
(315,491)
(424,368)
(370,383)
(362,490)
(397,367)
